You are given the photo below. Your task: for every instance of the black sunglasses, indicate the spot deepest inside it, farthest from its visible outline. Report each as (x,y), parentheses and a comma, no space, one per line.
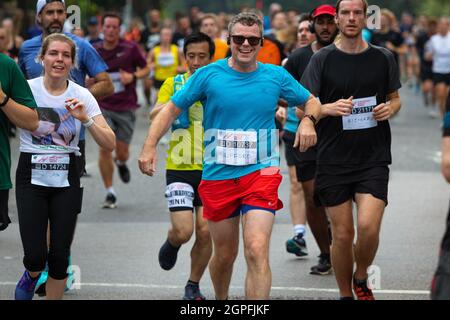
(253,41)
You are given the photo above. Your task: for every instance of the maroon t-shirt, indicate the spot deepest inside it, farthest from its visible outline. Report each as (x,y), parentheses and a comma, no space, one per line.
(127,57)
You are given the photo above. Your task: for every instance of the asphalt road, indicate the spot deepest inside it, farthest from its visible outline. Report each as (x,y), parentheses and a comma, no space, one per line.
(116,250)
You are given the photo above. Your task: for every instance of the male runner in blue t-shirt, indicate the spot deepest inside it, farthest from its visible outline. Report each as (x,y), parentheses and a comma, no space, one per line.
(240,166)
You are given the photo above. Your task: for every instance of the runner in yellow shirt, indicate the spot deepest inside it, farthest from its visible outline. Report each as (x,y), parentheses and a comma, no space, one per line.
(184,171)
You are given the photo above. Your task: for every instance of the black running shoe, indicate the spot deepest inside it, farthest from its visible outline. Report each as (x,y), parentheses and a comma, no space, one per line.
(124,172)
(110,202)
(40,291)
(192,292)
(168,255)
(297,246)
(323,267)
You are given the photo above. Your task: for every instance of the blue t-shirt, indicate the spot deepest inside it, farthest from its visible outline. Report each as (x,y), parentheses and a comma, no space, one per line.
(239,115)
(89,61)
(292,121)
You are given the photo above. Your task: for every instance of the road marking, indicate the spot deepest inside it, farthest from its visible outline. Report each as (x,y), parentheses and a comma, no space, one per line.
(157,286)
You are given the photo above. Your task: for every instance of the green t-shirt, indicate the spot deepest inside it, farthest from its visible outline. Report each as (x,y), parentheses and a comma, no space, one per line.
(15,86)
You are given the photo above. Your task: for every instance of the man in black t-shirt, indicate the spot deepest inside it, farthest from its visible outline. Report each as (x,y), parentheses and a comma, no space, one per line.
(324,26)
(357,85)
(440,287)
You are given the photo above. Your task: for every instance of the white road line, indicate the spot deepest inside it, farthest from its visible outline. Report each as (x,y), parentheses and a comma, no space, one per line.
(156,286)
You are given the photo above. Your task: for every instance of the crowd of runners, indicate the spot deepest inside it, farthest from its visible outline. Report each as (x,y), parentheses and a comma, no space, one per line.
(229,89)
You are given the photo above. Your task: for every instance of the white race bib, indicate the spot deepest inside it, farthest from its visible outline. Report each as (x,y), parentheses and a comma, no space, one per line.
(237,148)
(362,115)
(166,59)
(180,195)
(50,170)
(115,78)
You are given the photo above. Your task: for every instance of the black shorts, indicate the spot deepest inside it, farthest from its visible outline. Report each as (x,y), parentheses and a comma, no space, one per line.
(292,154)
(426,73)
(334,186)
(157,84)
(306,171)
(441,78)
(182,190)
(4,217)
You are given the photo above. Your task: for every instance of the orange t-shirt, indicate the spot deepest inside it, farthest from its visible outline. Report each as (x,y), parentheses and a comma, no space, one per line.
(221,49)
(269,53)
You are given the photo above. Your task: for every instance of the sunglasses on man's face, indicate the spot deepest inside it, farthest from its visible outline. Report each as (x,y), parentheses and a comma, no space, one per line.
(239,40)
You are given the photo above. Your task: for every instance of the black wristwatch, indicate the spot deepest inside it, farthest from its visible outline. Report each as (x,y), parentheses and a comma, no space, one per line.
(5,101)
(311,117)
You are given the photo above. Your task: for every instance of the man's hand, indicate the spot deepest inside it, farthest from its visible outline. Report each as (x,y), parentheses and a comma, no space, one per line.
(126,78)
(382,112)
(342,107)
(281,115)
(306,135)
(147,160)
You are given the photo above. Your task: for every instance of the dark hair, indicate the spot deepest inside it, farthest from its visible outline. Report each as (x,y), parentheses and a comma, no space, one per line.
(363,1)
(111,15)
(198,38)
(304,17)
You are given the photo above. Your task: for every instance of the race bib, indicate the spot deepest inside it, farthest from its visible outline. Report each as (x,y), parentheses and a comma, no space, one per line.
(180,195)
(115,78)
(362,115)
(166,59)
(237,148)
(50,170)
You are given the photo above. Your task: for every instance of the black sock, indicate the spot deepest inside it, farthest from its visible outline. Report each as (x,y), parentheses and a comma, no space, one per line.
(325,256)
(360,282)
(172,246)
(193,283)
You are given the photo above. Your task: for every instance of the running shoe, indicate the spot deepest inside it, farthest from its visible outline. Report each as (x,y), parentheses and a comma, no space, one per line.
(40,291)
(110,201)
(25,287)
(297,246)
(192,292)
(124,172)
(323,267)
(168,255)
(362,291)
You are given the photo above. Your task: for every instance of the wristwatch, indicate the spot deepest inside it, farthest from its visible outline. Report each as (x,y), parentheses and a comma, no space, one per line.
(311,117)
(5,101)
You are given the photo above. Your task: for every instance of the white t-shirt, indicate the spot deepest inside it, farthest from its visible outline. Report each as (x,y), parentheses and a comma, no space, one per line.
(58,132)
(439,46)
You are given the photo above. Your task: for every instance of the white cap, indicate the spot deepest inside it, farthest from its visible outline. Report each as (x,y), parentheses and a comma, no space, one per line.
(42,3)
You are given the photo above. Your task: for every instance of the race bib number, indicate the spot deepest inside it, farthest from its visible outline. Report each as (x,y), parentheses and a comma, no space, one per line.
(166,59)
(180,195)
(115,78)
(50,170)
(237,148)
(362,115)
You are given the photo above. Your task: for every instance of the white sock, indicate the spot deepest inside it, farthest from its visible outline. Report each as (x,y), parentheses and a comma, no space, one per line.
(299,228)
(120,163)
(111,190)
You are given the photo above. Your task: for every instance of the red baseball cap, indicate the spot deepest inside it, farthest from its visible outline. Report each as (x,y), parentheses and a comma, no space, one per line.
(325,9)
